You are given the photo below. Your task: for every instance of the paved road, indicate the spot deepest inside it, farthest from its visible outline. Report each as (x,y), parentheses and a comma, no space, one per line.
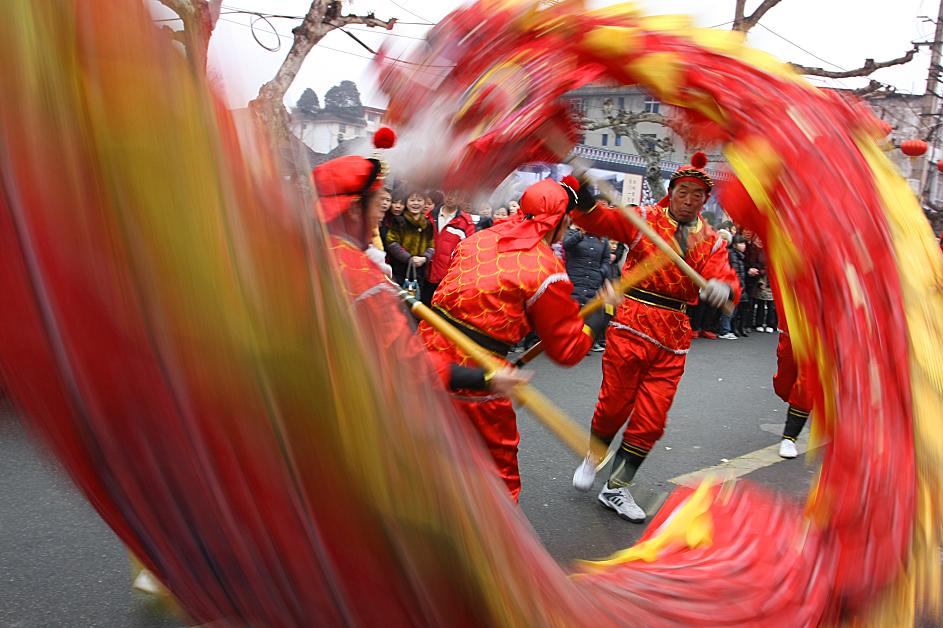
(60,566)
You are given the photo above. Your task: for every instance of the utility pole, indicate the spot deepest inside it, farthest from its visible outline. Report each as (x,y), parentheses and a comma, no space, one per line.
(929,112)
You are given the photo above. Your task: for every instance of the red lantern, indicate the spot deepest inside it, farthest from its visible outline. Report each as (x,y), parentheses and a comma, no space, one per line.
(939,165)
(885,127)
(914,148)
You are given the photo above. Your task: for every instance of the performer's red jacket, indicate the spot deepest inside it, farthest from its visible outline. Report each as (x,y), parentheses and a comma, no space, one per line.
(504,296)
(706,253)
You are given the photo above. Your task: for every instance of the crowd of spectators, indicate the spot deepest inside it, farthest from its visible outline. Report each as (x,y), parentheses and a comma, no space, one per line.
(420,230)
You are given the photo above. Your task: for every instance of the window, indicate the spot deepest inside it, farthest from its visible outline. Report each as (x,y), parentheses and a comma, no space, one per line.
(652,104)
(621,105)
(605,139)
(342,128)
(578,106)
(618,140)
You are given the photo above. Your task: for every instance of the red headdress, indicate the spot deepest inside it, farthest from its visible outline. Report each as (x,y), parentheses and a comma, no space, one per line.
(543,206)
(342,181)
(691,172)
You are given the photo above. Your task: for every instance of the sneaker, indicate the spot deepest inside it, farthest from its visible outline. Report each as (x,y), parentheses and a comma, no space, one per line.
(146,582)
(695,334)
(787,449)
(728,336)
(585,474)
(598,348)
(621,501)
(769,330)
(760,328)
(709,335)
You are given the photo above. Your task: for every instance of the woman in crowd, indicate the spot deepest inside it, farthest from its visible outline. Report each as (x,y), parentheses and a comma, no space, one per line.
(587,264)
(410,243)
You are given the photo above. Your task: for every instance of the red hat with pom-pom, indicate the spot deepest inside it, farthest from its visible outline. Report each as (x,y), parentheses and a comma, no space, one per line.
(342,181)
(693,172)
(572,186)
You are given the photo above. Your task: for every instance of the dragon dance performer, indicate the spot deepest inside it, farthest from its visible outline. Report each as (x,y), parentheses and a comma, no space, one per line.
(793,387)
(504,282)
(649,337)
(349,190)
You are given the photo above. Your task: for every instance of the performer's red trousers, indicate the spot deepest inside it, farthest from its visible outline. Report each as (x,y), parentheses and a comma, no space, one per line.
(787,383)
(496,422)
(639,378)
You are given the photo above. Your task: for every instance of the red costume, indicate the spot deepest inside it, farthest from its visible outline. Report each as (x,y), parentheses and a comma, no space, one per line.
(649,336)
(503,283)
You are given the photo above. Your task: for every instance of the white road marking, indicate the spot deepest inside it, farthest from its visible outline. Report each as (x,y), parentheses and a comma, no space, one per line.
(747,463)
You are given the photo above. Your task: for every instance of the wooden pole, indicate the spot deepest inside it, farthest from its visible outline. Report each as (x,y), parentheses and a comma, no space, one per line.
(626,282)
(567,430)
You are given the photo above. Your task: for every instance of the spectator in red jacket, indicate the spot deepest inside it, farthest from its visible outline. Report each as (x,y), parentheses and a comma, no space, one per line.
(450,225)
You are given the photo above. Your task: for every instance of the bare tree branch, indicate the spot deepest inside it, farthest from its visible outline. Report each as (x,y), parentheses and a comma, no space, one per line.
(625,123)
(627,118)
(869,66)
(872,86)
(369,20)
(199,19)
(322,17)
(745,23)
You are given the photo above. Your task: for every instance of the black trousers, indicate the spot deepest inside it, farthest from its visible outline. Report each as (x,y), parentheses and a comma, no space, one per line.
(764,314)
(704,317)
(741,318)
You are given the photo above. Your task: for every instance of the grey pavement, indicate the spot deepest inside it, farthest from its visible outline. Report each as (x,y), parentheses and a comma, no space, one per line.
(61,566)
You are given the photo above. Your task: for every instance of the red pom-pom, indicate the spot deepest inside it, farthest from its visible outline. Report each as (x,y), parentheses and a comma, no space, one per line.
(699,159)
(571,181)
(385,137)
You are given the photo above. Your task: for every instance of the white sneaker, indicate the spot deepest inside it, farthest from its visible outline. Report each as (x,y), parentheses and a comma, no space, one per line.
(728,336)
(147,583)
(769,330)
(585,474)
(787,449)
(760,328)
(621,501)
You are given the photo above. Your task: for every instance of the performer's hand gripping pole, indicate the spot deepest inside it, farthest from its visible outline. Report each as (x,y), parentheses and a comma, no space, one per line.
(625,283)
(581,169)
(572,435)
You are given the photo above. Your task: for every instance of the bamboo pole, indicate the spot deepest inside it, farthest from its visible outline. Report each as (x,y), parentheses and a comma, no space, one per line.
(567,430)
(625,283)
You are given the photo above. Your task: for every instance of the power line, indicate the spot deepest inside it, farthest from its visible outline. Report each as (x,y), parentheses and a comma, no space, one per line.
(428,22)
(419,67)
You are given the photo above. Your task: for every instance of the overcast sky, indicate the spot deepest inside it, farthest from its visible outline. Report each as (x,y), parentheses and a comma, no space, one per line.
(842,33)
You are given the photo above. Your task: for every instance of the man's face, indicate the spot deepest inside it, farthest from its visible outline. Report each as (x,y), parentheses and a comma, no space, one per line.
(385,201)
(740,246)
(686,200)
(454,199)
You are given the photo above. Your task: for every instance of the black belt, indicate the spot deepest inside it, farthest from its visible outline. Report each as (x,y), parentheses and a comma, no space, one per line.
(491,344)
(657,300)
